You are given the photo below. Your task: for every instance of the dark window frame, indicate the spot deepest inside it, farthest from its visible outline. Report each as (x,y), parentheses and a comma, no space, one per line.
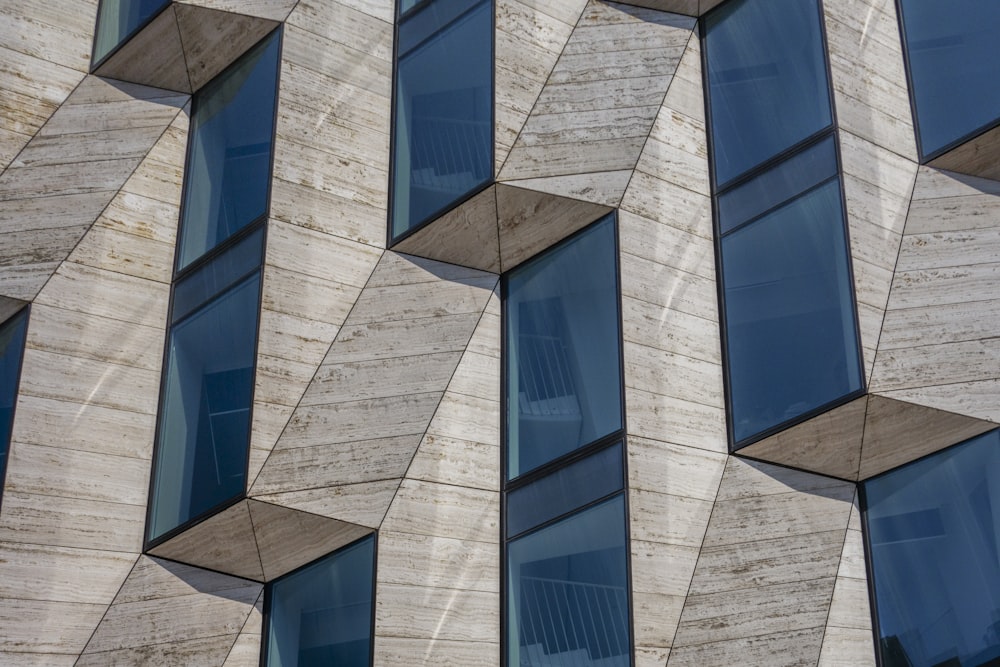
(607,441)
(269,592)
(393,239)
(866,540)
(5,438)
(95,65)
(258,225)
(926,157)
(748,175)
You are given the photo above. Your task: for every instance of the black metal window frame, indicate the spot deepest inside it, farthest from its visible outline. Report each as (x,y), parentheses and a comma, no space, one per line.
(866,540)
(969,136)
(5,438)
(269,588)
(566,460)
(258,225)
(401,18)
(831,130)
(124,40)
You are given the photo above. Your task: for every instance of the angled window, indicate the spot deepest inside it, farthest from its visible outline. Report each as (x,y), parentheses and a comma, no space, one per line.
(12,335)
(565,522)
(203,431)
(443,108)
(954,65)
(563,360)
(229,155)
(119,19)
(767,80)
(790,328)
(322,614)
(933,530)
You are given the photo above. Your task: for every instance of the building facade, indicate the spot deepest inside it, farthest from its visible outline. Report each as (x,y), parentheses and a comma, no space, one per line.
(564,333)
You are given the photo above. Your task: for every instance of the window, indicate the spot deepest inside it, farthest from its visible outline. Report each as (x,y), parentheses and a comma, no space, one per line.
(119,19)
(790,328)
(565,518)
(954,64)
(933,530)
(203,431)
(443,113)
(767,80)
(322,614)
(12,335)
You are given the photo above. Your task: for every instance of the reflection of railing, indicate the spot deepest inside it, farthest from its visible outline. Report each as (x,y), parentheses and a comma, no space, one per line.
(572,624)
(450,154)
(545,382)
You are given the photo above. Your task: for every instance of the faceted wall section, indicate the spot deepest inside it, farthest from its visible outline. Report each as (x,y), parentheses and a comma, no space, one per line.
(378,406)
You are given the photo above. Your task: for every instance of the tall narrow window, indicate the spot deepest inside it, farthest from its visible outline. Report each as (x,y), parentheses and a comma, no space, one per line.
(933,530)
(203,434)
(118,19)
(12,335)
(791,339)
(443,111)
(954,65)
(322,614)
(565,518)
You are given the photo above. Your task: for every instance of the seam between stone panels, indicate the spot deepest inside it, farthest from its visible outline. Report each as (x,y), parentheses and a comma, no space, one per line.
(779,633)
(312,379)
(135,564)
(423,433)
(180,38)
(117,191)
(47,120)
(256,544)
(242,629)
(534,103)
(847,531)
(895,266)
(174,642)
(701,548)
(656,117)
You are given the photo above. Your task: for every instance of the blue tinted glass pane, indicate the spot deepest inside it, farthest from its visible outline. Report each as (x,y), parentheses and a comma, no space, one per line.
(776,186)
(792,345)
(118,18)
(955,64)
(573,486)
(767,80)
(322,614)
(218,274)
(229,158)
(443,129)
(204,426)
(563,368)
(567,601)
(934,538)
(12,334)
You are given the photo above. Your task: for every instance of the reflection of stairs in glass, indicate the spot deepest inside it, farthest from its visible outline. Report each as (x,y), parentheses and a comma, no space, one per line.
(449,154)
(454,183)
(573,624)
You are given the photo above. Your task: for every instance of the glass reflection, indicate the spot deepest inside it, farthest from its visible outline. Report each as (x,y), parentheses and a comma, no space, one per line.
(790,328)
(117,19)
(767,80)
(12,334)
(568,592)
(229,159)
(954,58)
(934,538)
(204,426)
(563,361)
(321,615)
(806,169)
(566,489)
(443,128)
